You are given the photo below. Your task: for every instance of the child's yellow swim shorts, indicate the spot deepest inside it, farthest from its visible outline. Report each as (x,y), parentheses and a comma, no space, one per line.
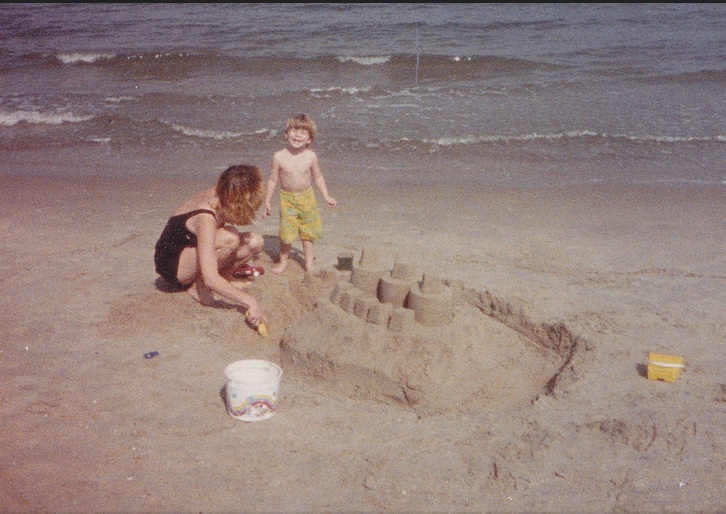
(299,216)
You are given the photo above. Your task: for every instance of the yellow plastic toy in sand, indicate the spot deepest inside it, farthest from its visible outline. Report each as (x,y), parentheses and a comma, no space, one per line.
(261,328)
(664,367)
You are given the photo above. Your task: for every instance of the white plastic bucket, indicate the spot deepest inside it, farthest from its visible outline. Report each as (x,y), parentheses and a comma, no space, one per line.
(252,389)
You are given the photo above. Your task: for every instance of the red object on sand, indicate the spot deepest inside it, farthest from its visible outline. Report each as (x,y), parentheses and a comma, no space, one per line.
(249,270)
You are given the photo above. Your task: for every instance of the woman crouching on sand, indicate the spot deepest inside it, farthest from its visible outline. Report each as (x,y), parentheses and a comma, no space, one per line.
(198,242)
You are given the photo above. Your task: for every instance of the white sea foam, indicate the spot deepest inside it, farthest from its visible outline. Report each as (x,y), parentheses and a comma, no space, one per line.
(465,140)
(366,61)
(572,134)
(83,58)
(135,57)
(207,134)
(671,139)
(336,89)
(119,99)
(13,118)
(217,135)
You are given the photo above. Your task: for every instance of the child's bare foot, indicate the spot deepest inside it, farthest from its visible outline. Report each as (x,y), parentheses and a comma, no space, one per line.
(201,293)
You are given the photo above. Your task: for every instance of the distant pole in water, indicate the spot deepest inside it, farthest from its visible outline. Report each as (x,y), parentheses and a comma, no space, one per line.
(415,26)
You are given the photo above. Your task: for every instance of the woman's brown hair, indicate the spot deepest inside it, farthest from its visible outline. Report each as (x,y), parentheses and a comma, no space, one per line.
(241,192)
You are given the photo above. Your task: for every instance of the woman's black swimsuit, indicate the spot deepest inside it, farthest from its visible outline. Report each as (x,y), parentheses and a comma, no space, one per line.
(174,238)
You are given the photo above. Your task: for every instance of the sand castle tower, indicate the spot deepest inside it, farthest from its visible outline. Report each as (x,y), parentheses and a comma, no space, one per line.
(394,289)
(366,273)
(432,301)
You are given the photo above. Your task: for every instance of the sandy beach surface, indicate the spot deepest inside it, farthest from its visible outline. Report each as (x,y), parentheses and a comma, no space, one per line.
(89,425)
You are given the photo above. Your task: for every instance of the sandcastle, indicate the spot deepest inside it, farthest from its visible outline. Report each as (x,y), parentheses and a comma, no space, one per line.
(417,339)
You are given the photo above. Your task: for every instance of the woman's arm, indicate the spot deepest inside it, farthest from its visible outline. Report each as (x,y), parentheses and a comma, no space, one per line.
(206,230)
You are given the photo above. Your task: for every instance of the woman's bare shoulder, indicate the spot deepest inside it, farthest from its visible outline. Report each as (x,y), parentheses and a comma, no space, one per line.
(202,200)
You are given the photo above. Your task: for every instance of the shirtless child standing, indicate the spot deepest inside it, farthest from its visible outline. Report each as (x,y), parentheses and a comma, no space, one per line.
(296,168)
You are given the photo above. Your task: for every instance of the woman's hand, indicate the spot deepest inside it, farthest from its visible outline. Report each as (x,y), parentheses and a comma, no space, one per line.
(255,314)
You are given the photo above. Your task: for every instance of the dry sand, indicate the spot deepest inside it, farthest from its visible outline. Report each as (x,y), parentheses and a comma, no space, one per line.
(91,426)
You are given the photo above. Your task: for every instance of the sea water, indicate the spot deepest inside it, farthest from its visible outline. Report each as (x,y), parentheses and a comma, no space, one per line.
(505,94)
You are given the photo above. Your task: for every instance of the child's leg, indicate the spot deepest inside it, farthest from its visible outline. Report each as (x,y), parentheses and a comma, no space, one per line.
(284,255)
(309,251)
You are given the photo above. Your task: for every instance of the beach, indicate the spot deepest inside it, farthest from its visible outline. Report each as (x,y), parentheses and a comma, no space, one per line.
(535,199)
(90,425)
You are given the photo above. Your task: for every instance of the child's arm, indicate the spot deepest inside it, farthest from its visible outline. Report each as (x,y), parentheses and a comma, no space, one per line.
(320,182)
(271,185)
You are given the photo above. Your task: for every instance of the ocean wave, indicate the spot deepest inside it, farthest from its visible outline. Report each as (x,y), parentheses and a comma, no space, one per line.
(469,140)
(329,91)
(670,139)
(220,135)
(81,58)
(102,58)
(457,63)
(187,64)
(569,135)
(365,61)
(10,119)
(119,99)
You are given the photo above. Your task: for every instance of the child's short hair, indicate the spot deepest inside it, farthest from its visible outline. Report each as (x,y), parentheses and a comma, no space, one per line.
(301,121)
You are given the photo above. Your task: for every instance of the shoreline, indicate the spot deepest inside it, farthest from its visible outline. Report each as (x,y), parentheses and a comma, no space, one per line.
(389,169)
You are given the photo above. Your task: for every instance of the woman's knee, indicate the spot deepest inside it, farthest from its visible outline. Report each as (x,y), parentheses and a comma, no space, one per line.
(253,240)
(228,240)
(243,245)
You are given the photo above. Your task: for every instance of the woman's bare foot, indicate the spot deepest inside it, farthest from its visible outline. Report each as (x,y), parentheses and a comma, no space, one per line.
(201,293)
(239,283)
(280,268)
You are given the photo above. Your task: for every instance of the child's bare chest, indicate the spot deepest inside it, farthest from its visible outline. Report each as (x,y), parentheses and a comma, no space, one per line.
(298,165)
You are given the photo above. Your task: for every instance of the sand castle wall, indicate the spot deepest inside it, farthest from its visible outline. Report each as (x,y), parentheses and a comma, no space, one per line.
(428,299)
